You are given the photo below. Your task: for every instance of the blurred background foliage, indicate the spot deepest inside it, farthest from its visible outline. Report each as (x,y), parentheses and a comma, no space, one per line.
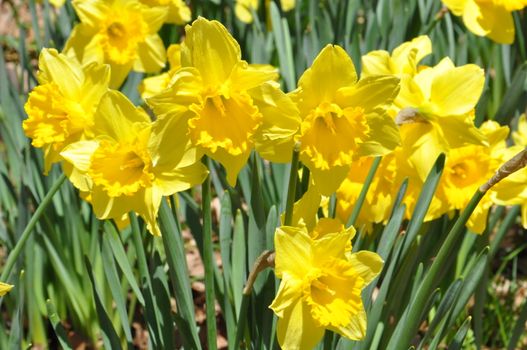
(81,283)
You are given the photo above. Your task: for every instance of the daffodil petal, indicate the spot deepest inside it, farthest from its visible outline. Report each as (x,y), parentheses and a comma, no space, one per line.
(297,330)
(5,288)
(367,264)
(181,179)
(66,74)
(292,245)
(116,116)
(458,90)
(79,153)
(151,55)
(288,294)
(327,181)
(376,63)
(275,138)
(210,48)
(371,93)
(503,30)
(90,12)
(331,70)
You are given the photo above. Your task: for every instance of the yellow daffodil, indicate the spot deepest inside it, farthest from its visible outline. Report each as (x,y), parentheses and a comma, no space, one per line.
(154,85)
(5,288)
(467,168)
(492,18)
(227,106)
(178,11)
(520,135)
(403,60)
(122,33)
(60,109)
(342,117)
(129,166)
(321,284)
(513,189)
(436,112)
(244,10)
(287,5)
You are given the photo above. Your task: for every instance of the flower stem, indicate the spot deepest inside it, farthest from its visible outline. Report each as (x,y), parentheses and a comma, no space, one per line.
(13,256)
(291,190)
(209,265)
(265,260)
(363,192)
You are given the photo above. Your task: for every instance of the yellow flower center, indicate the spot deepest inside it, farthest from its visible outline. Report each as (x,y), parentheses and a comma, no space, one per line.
(465,170)
(121,169)
(225,122)
(121,33)
(330,135)
(332,293)
(53,119)
(116,31)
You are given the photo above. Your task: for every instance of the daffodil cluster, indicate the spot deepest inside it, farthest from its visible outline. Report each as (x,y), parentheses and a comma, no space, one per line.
(110,149)
(434,111)
(213,103)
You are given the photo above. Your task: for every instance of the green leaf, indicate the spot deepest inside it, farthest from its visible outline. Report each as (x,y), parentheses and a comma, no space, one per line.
(59,330)
(442,311)
(457,342)
(282,40)
(239,268)
(110,271)
(109,335)
(423,203)
(178,272)
(112,238)
(513,97)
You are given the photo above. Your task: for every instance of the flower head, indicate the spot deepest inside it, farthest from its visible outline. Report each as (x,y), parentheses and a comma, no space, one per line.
(228,106)
(342,117)
(244,9)
(513,189)
(128,166)
(120,33)
(467,168)
(321,284)
(5,288)
(403,60)
(492,18)
(435,111)
(60,109)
